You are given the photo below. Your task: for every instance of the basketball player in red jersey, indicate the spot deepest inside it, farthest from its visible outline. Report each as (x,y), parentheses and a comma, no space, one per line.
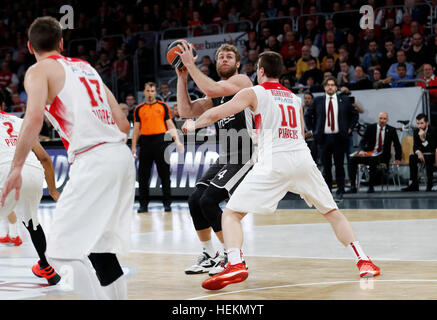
(284,164)
(92,216)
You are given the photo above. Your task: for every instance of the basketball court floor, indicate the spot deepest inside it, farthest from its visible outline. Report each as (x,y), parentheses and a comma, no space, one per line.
(292,254)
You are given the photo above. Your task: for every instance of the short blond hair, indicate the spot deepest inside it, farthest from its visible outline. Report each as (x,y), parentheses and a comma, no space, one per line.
(228,47)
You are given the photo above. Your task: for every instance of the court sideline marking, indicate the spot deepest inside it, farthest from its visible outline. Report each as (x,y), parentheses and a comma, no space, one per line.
(309,284)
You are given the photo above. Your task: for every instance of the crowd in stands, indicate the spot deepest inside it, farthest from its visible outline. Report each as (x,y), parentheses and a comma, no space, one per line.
(400,47)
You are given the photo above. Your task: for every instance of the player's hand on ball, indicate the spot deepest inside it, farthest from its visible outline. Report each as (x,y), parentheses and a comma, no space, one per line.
(189,126)
(186,54)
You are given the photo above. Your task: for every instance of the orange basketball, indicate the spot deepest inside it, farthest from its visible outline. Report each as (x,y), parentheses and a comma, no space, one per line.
(172,56)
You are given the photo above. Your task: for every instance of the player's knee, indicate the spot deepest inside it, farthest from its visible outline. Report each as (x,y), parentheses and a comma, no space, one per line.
(107,267)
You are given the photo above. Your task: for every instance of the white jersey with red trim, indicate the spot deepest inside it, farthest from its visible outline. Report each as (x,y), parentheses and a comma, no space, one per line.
(278,119)
(80,112)
(10,126)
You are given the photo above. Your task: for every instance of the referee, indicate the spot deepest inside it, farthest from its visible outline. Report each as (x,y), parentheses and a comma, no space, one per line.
(152,119)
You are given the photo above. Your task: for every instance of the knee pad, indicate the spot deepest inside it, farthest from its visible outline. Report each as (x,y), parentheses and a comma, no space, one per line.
(107,267)
(210,204)
(199,220)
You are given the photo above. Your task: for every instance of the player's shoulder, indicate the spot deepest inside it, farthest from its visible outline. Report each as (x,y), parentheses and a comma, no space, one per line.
(242,79)
(46,66)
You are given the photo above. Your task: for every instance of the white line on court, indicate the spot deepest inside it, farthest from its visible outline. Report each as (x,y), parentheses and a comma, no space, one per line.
(309,284)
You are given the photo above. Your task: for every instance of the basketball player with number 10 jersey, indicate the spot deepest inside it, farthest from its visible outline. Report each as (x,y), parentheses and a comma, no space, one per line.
(92,217)
(284,164)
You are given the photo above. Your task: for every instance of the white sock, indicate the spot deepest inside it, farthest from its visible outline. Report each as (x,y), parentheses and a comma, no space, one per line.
(13,233)
(234,256)
(84,279)
(208,248)
(357,251)
(117,290)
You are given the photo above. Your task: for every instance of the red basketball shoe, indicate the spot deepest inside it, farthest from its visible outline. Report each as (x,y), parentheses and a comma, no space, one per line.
(16,241)
(48,273)
(368,269)
(232,274)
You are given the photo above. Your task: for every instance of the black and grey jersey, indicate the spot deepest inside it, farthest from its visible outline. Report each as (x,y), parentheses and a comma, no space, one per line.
(234,134)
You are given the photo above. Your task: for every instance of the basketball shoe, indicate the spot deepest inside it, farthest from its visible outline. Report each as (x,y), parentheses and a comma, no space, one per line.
(47,273)
(368,269)
(221,264)
(16,241)
(231,274)
(204,263)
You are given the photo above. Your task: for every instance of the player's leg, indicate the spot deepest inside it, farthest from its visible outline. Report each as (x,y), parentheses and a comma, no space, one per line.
(12,235)
(27,211)
(144,171)
(235,271)
(207,259)
(110,275)
(42,269)
(313,189)
(81,277)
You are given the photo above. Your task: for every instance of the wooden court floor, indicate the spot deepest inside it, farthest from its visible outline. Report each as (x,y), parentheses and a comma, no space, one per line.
(158,272)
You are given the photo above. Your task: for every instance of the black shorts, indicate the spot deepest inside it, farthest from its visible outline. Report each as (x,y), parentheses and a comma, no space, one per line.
(227,176)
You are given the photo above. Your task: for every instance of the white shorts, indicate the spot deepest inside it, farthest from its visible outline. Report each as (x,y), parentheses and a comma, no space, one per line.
(94,211)
(264,186)
(26,207)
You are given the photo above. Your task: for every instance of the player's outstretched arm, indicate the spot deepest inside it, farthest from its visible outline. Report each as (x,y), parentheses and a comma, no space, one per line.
(47,164)
(246,98)
(119,117)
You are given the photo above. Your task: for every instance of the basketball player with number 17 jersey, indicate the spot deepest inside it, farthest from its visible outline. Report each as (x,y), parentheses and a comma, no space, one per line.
(284,164)
(92,217)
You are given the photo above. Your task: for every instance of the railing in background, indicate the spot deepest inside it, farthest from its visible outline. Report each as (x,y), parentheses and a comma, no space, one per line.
(275,23)
(243,25)
(175,33)
(205,30)
(89,43)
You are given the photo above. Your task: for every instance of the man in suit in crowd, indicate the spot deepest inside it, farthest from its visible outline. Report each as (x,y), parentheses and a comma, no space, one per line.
(378,138)
(425,151)
(331,118)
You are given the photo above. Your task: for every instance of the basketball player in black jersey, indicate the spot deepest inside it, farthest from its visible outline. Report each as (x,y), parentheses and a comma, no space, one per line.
(235,145)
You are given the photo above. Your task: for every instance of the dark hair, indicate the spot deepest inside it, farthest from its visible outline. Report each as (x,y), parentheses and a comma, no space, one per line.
(330,78)
(401,65)
(272,63)
(421,116)
(309,93)
(44,34)
(330,57)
